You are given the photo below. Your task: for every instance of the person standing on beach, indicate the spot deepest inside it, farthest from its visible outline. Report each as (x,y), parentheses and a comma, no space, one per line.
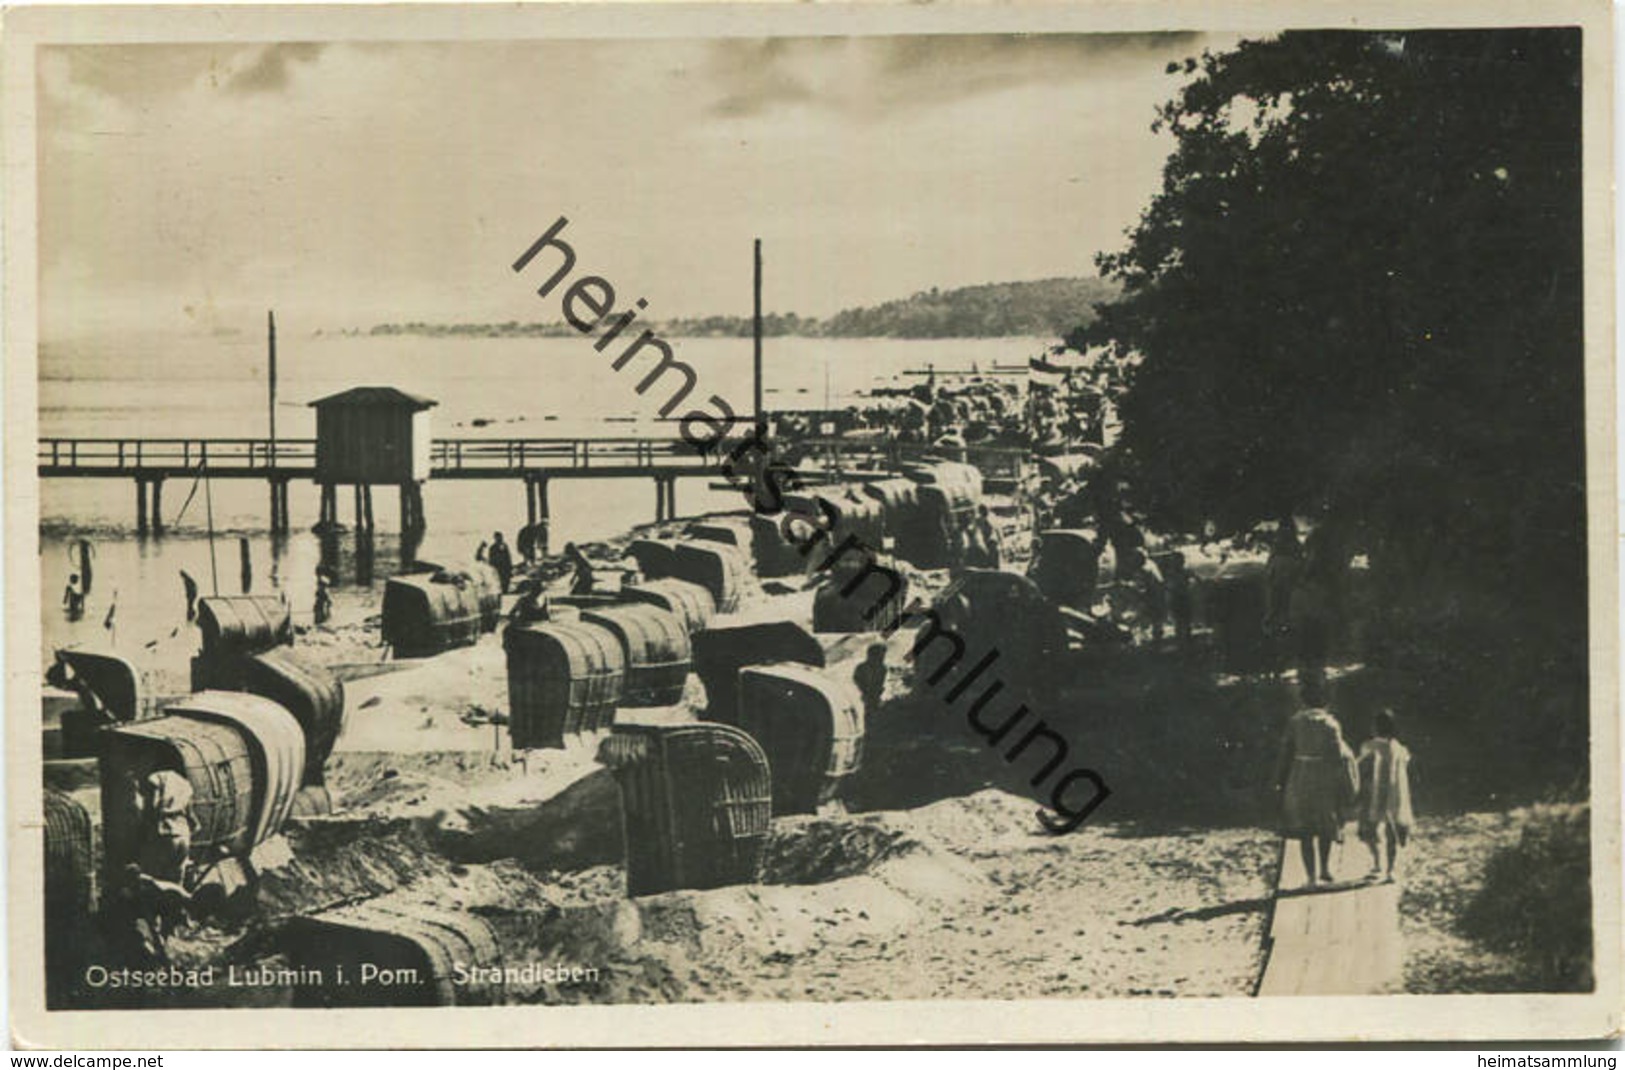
(323,610)
(499,558)
(532,606)
(1384,810)
(584,578)
(870,676)
(1319,780)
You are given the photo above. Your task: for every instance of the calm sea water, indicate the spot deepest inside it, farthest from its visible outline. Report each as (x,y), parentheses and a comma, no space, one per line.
(168,387)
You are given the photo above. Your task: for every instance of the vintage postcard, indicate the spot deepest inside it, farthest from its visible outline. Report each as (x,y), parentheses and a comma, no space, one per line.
(858,524)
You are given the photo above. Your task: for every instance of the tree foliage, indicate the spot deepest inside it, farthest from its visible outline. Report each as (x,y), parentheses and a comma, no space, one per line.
(1535,901)
(1358,294)
(1041,308)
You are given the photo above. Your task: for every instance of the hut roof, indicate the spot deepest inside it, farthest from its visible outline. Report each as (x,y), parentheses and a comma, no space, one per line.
(375,397)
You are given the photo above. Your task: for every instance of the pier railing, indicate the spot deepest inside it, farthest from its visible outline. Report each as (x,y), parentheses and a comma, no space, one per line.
(140,454)
(149,462)
(476,457)
(452,455)
(448,457)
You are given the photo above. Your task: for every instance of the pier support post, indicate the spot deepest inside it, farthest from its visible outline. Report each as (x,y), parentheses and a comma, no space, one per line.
(279,506)
(412,521)
(665,498)
(329,518)
(420,518)
(360,511)
(157,506)
(530,502)
(543,515)
(141,507)
(366,501)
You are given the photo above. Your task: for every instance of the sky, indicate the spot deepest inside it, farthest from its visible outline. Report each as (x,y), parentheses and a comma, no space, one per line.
(347,184)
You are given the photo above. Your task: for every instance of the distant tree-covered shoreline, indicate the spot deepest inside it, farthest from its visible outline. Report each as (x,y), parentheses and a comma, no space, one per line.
(1043,308)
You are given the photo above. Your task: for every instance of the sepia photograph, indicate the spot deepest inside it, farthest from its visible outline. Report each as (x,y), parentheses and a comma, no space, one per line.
(1026,516)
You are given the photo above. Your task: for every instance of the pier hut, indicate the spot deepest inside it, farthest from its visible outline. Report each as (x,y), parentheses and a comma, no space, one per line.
(370,435)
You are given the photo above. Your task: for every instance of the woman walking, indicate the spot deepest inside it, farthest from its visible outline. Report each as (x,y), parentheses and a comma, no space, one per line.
(1318,779)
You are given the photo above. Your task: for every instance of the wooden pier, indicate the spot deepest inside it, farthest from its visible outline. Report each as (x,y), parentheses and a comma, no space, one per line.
(535,462)
(149,462)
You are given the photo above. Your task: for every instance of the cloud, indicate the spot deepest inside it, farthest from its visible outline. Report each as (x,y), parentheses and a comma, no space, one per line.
(393,180)
(267,70)
(1029,49)
(877,77)
(144,75)
(752,77)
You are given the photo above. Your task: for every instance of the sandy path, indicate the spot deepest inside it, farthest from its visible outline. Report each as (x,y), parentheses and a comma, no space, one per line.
(988,908)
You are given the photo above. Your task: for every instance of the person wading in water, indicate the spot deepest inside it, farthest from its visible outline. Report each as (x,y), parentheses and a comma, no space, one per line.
(73,599)
(190,586)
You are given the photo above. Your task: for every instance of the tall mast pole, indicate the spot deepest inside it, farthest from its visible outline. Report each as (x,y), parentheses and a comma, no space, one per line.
(208,502)
(270,322)
(758,330)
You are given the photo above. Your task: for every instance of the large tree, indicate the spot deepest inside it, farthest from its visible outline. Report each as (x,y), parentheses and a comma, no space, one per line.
(1358,295)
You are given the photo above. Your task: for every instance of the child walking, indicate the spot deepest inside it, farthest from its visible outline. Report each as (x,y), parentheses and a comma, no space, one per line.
(1385,794)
